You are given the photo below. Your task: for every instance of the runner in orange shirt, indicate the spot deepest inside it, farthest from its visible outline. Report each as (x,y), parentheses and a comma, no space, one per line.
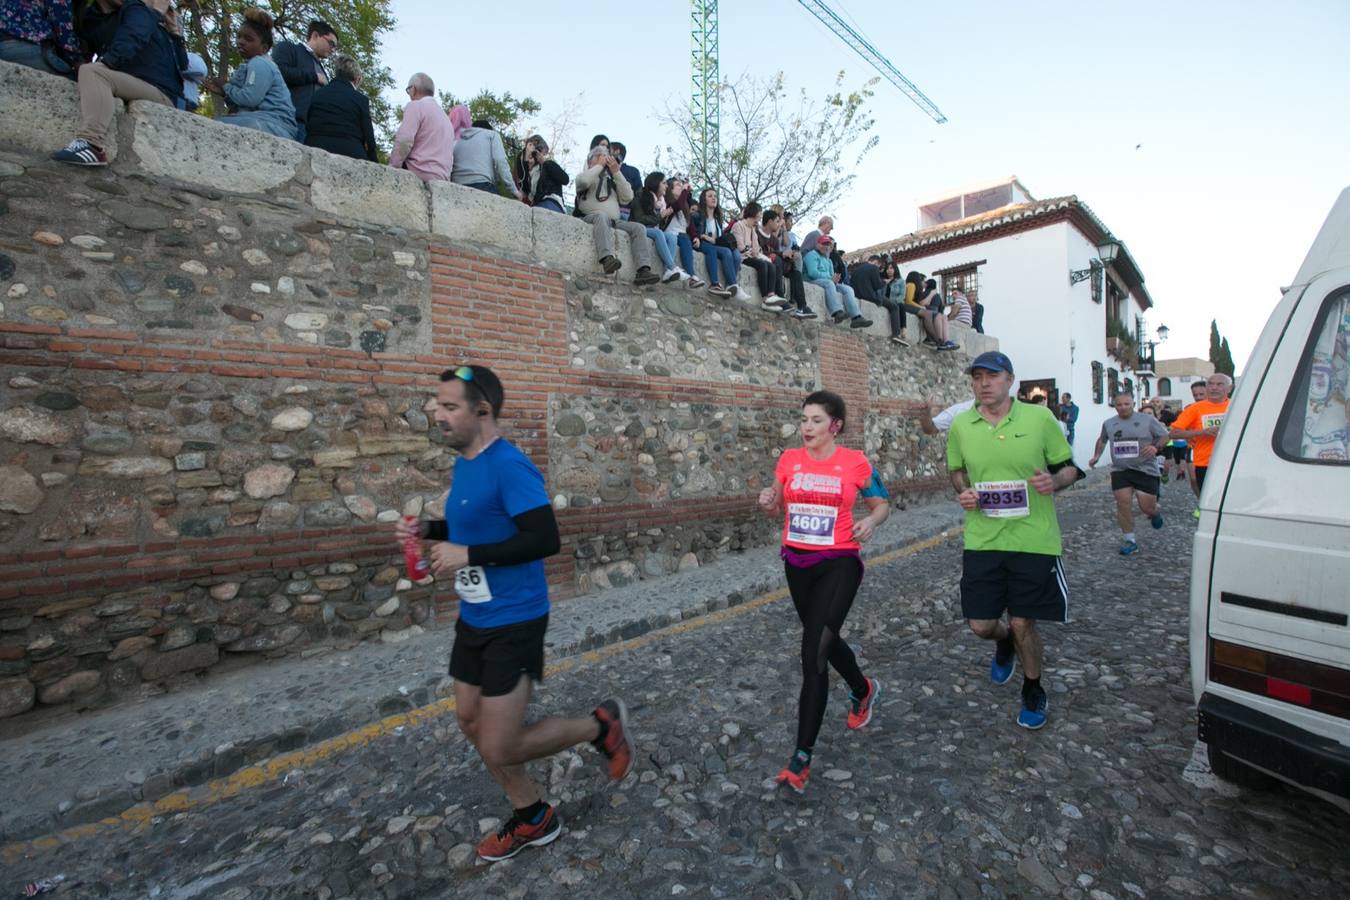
(815,487)
(1199,423)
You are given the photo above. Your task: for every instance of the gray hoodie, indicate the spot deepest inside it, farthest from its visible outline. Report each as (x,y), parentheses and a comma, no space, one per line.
(478,153)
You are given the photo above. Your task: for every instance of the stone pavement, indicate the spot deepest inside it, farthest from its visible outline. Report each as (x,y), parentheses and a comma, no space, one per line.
(82,767)
(942,795)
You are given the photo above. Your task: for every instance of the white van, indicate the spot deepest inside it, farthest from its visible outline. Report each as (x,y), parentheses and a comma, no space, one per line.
(1270,579)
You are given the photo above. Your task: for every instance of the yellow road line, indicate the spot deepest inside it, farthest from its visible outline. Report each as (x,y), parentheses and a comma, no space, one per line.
(234,784)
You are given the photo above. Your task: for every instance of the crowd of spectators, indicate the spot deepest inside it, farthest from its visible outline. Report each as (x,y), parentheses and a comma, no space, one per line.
(308,92)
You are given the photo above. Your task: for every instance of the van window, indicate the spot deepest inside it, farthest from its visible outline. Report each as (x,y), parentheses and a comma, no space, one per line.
(1314,426)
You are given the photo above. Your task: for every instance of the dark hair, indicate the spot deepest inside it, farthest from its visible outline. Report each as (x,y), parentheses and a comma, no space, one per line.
(832,403)
(769,216)
(260,23)
(751,210)
(703,209)
(617,149)
(787,214)
(320,27)
(653,181)
(596,140)
(483,124)
(889,266)
(930,284)
(484,386)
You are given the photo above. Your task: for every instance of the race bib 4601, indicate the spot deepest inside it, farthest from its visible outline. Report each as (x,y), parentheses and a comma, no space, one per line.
(1003,499)
(810,523)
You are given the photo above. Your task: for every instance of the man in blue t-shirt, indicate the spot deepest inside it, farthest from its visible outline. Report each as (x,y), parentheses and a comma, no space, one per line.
(498,528)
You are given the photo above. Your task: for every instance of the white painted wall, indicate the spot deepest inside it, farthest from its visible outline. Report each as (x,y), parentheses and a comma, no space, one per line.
(1048,328)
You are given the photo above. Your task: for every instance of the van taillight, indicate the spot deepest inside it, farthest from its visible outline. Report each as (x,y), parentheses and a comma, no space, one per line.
(1298,681)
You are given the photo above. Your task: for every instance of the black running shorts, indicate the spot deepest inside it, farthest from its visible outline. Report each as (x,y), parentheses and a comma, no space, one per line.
(1027,585)
(1200,475)
(1176,454)
(493,659)
(1133,478)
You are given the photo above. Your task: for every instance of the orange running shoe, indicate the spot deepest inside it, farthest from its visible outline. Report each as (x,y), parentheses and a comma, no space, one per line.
(617,745)
(860,712)
(516,835)
(796,772)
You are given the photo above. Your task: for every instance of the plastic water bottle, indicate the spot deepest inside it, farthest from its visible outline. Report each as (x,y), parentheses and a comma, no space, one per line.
(418,565)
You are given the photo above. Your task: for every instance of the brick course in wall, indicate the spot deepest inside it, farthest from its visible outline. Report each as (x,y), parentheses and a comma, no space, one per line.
(170,555)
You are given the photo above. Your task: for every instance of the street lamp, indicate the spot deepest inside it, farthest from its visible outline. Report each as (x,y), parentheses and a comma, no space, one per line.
(1107,251)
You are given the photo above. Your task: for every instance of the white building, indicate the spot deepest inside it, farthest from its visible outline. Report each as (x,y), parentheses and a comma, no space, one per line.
(1069,323)
(1175,377)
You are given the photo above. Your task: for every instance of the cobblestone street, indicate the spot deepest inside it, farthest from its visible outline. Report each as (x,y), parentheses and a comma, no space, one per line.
(942,795)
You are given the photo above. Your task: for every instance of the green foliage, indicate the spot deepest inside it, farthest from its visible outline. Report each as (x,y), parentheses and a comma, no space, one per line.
(209,27)
(1219,353)
(780,147)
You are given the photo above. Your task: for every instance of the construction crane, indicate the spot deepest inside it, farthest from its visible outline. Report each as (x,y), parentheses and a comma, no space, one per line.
(705,76)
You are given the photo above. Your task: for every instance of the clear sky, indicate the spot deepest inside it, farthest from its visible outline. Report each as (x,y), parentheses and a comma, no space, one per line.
(1211,137)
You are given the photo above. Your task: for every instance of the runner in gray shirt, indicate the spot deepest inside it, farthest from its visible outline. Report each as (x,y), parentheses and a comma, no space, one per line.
(1135,439)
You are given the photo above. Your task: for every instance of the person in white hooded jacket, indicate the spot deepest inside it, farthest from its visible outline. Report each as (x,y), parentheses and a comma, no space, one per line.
(600,191)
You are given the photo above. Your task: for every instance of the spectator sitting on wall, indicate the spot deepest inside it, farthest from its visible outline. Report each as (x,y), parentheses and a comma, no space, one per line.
(823,227)
(868,284)
(339,115)
(480,160)
(425,141)
(40,34)
(717,246)
(649,211)
(895,292)
(677,223)
(929,310)
(752,256)
(817,269)
(256,91)
(790,257)
(541,178)
(600,189)
(977,316)
(302,68)
(630,174)
(772,237)
(142,62)
(959,309)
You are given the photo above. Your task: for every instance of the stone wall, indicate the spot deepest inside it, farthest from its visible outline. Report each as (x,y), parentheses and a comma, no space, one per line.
(216,364)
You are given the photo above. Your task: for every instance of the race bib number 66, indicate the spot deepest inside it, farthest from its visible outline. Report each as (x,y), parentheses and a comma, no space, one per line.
(471,583)
(1003,499)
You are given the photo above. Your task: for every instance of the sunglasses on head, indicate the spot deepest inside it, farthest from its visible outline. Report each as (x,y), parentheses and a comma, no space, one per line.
(463,373)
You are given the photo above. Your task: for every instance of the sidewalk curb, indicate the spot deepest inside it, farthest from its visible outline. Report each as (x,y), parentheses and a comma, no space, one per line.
(649,606)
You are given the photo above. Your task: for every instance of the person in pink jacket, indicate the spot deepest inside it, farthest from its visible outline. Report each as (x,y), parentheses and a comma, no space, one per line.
(425,141)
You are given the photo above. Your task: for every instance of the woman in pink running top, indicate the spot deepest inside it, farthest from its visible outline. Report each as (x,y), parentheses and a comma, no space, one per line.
(815,487)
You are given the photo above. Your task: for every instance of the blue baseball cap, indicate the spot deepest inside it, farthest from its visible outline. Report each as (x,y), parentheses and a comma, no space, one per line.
(991,360)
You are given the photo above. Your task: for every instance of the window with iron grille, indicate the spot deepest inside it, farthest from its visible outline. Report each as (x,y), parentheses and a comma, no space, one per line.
(1096,382)
(965,278)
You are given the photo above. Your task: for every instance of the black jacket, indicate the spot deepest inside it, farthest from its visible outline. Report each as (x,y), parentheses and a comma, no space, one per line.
(144,48)
(339,121)
(301,70)
(551,180)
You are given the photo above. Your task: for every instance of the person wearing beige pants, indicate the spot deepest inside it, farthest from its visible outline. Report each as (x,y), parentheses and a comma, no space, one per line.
(100,89)
(144,60)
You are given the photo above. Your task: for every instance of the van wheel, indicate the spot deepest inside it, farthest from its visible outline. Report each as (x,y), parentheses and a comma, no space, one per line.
(1234,772)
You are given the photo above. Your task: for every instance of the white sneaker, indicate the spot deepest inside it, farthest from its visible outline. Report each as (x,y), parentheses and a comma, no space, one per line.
(741,294)
(670,275)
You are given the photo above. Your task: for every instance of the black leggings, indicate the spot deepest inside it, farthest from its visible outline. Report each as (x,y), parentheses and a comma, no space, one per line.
(823,594)
(764,273)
